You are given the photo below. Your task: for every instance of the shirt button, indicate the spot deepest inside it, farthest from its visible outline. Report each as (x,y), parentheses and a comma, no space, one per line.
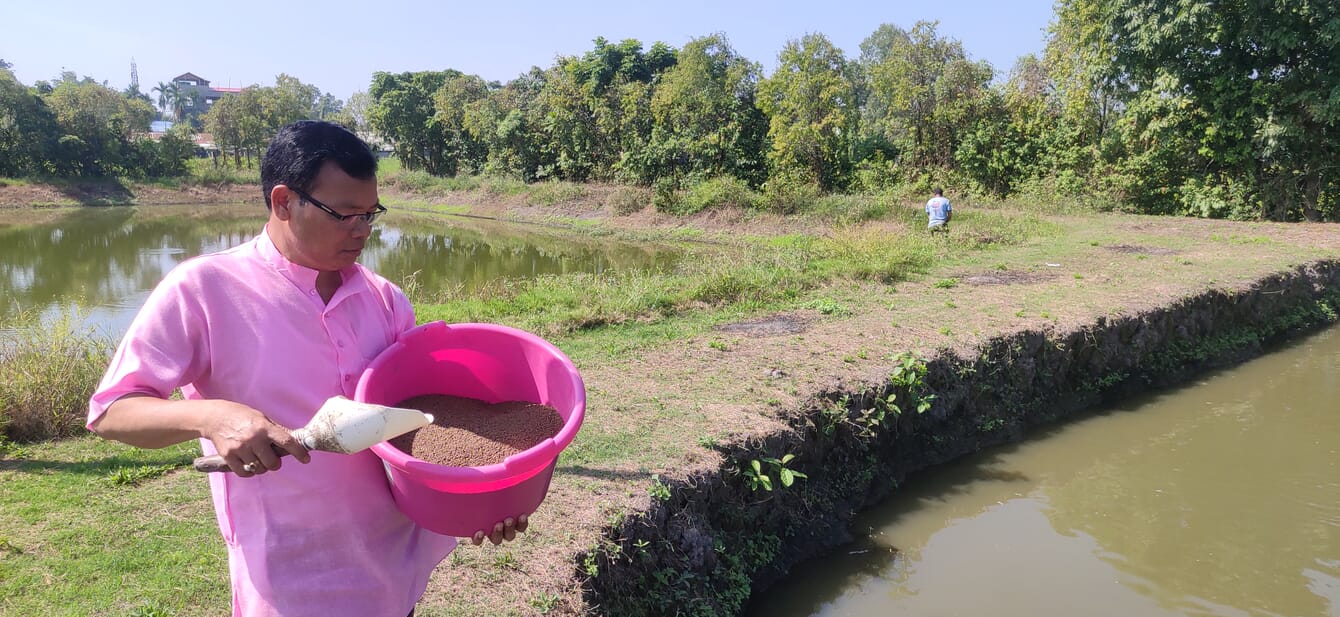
(348,377)
(339,344)
(312,292)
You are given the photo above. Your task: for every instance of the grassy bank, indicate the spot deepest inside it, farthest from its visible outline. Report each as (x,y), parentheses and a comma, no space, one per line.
(767,315)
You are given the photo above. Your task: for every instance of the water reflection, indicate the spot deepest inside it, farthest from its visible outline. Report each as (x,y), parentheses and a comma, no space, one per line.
(108,259)
(1222,498)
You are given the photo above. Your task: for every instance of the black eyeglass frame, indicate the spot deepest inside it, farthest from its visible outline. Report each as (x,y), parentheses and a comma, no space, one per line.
(368,217)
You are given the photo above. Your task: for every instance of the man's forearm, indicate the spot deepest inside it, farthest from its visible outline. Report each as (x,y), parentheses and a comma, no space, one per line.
(149,422)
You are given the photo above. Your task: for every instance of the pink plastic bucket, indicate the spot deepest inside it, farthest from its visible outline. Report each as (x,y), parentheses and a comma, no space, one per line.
(491,363)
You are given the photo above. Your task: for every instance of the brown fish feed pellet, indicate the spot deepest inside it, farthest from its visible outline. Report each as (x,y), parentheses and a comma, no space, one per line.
(468,432)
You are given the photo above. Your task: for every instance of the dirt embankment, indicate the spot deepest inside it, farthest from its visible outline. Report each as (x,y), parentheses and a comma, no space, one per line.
(116,193)
(716,537)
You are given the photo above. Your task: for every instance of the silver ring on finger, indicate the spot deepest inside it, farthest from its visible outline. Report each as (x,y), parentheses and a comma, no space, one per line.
(250,467)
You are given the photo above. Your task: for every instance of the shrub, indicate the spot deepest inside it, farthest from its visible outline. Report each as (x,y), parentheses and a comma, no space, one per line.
(626,200)
(785,196)
(47,374)
(719,192)
(552,192)
(848,209)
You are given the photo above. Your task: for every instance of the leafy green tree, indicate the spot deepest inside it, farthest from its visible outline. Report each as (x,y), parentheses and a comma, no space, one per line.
(403,112)
(1258,82)
(28,130)
(707,122)
(810,102)
(167,95)
(96,123)
(508,122)
(462,150)
(922,95)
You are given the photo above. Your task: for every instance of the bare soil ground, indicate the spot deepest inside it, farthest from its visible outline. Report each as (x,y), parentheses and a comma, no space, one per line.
(98,193)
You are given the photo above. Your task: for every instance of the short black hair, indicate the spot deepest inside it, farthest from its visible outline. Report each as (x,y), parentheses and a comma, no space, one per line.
(939,192)
(297,152)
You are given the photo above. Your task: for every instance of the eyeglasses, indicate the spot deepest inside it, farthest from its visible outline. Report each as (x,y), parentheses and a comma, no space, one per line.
(366,217)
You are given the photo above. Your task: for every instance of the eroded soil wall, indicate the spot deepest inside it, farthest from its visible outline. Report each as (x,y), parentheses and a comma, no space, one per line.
(709,540)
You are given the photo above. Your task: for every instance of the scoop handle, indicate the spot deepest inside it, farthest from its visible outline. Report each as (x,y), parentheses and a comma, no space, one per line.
(215,463)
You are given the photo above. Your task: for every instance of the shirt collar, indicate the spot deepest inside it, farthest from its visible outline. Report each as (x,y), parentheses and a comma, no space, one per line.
(302,276)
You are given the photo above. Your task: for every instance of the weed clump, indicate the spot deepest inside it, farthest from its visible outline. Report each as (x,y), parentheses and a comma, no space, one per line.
(48,371)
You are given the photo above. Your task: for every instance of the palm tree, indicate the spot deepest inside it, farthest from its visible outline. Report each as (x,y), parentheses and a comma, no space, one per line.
(187,97)
(168,93)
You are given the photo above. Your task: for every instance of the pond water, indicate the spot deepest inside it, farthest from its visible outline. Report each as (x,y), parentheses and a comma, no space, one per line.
(1221,498)
(108,259)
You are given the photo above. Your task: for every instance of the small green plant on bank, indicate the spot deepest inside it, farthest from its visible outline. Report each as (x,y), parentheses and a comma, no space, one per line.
(659,491)
(909,374)
(506,561)
(545,602)
(827,306)
(948,283)
(150,610)
(757,476)
(719,345)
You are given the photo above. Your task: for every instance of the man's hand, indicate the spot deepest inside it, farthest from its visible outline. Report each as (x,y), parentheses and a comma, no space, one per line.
(243,437)
(505,530)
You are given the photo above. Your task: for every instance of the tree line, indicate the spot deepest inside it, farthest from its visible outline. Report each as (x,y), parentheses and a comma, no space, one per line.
(77,127)
(1159,106)
(1223,109)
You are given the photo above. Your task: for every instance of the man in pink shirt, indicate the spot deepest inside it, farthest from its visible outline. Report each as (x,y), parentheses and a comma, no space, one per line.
(257,337)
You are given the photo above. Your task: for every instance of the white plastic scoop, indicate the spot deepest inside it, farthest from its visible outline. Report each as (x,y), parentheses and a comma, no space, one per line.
(343,426)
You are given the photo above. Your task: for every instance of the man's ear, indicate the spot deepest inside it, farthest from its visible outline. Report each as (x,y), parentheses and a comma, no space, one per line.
(281,201)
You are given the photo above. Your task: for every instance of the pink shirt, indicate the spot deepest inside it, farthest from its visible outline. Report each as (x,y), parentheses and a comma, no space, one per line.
(247,325)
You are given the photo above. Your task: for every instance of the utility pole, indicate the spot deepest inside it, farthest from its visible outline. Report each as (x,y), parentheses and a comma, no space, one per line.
(134,76)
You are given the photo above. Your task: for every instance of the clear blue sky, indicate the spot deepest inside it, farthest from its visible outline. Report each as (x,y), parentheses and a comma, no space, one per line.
(337,45)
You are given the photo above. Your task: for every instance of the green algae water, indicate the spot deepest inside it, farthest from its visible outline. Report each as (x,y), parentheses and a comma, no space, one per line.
(106,260)
(1221,498)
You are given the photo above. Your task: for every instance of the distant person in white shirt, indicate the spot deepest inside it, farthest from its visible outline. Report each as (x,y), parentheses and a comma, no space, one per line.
(939,212)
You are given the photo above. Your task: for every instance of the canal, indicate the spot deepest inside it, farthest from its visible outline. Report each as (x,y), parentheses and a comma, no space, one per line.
(1220,498)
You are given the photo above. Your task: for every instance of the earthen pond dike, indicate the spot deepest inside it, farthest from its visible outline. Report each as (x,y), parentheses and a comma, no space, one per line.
(653,511)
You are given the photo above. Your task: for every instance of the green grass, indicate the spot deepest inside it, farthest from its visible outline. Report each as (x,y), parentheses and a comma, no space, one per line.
(780,270)
(73,541)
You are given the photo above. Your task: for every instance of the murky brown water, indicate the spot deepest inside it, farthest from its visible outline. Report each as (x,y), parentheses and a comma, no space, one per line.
(1221,498)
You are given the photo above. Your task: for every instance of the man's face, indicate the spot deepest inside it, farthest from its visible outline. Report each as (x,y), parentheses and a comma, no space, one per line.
(320,241)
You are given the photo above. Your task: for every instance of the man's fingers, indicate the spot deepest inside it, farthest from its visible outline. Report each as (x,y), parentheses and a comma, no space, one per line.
(266,459)
(294,447)
(522,523)
(478,538)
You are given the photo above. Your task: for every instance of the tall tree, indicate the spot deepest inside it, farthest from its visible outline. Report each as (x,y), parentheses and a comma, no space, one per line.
(707,122)
(28,130)
(1259,81)
(810,102)
(403,112)
(922,93)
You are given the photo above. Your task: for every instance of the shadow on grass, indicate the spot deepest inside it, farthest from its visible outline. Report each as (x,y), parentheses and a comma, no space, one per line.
(99,467)
(600,474)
